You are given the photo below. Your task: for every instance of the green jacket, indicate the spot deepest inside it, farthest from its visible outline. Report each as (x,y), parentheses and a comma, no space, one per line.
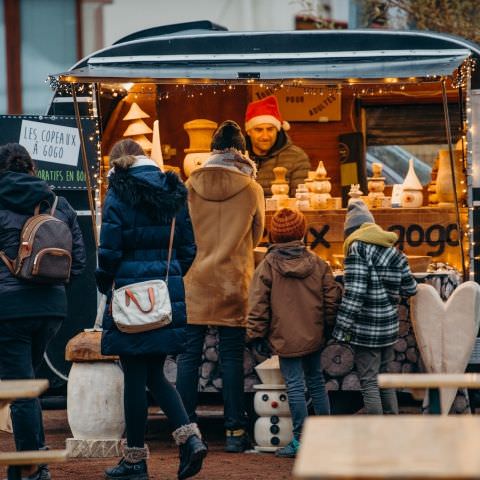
(282,154)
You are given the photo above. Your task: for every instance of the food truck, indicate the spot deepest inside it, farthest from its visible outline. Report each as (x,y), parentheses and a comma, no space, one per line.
(393,113)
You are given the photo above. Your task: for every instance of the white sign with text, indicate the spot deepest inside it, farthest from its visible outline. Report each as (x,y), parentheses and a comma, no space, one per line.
(50,143)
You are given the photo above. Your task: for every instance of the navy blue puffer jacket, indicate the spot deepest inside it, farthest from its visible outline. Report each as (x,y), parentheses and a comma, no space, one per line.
(137,215)
(20,193)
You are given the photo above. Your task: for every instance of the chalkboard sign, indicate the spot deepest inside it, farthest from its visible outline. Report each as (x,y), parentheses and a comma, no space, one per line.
(54,144)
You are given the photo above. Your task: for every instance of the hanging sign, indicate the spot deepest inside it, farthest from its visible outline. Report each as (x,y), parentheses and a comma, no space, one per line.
(54,144)
(305,104)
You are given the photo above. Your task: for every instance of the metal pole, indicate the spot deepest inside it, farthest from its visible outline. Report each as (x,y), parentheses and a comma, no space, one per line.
(462,123)
(91,203)
(452,167)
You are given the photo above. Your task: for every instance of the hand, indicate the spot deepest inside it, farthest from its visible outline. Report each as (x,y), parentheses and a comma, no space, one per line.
(341,336)
(104,282)
(261,346)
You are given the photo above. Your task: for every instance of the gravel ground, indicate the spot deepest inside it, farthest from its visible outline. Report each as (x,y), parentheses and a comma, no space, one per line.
(163,461)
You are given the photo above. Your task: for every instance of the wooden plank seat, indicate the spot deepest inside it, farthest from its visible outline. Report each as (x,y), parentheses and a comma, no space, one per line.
(434,382)
(374,447)
(13,389)
(429,380)
(15,460)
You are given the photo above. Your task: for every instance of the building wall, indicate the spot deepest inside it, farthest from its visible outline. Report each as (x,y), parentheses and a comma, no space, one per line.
(49,31)
(121,17)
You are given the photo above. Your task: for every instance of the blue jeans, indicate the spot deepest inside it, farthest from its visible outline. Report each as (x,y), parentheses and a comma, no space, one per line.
(147,371)
(297,371)
(23,342)
(231,348)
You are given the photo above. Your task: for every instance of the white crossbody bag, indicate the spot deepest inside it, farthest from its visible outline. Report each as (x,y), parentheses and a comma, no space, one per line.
(144,306)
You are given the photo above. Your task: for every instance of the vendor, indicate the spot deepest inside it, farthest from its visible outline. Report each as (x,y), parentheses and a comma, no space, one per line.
(269,145)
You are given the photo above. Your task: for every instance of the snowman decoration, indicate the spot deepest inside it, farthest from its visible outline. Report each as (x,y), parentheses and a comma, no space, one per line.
(273,428)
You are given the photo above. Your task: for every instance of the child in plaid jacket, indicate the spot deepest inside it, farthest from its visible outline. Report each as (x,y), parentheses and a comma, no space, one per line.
(376,276)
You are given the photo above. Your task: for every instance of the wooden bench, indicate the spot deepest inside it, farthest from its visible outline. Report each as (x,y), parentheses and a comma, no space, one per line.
(371,447)
(434,382)
(11,390)
(15,460)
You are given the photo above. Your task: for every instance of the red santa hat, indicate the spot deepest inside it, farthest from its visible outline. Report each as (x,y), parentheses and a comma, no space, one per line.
(264,111)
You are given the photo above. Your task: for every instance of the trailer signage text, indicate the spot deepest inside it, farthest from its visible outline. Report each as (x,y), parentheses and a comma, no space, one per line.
(47,142)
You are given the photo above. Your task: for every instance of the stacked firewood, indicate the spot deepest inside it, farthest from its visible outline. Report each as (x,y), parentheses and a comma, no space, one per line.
(210,379)
(337,358)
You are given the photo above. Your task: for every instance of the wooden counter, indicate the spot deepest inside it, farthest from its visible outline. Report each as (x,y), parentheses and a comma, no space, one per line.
(422,231)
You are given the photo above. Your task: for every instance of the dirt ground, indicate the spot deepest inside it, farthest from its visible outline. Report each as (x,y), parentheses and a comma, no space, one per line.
(163,461)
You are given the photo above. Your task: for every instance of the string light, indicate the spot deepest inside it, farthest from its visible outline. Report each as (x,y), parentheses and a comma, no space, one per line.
(187,88)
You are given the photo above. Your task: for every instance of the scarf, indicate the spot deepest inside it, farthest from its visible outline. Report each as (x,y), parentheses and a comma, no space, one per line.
(370,233)
(232,159)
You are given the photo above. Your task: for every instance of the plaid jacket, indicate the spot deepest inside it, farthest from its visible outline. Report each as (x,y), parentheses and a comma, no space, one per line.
(374,279)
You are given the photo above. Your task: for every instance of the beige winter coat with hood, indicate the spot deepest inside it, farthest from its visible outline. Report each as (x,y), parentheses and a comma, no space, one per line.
(228,216)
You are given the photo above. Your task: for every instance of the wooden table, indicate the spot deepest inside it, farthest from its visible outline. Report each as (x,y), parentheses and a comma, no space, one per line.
(432,381)
(373,447)
(13,389)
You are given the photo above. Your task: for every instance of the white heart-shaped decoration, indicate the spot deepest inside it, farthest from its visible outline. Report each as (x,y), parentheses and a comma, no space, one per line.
(446,331)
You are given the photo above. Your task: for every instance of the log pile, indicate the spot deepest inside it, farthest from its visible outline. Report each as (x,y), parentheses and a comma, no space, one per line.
(336,360)
(210,378)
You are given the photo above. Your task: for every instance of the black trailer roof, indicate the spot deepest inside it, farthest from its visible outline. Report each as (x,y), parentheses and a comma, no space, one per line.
(203,52)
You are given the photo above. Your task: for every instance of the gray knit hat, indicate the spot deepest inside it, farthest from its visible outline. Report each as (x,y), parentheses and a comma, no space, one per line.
(357,215)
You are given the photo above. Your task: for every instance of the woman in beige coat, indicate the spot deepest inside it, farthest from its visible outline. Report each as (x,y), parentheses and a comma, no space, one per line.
(228,215)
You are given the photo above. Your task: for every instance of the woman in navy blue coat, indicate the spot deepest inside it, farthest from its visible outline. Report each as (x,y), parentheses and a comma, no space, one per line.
(137,215)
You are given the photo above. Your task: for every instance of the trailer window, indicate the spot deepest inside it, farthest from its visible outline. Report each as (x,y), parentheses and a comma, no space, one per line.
(396,133)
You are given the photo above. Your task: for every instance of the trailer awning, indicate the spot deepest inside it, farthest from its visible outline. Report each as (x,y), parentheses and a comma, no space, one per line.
(315,55)
(420,65)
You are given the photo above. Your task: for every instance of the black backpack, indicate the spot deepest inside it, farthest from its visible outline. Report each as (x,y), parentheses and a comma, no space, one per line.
(45,249)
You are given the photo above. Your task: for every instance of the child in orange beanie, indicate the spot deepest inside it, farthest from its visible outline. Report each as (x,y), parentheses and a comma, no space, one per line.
(293,296)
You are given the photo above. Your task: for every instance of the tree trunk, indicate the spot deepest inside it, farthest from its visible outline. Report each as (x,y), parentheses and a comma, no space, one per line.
(400,345)
(412,354)
(337,360)
(351,382)
(332,385)
(394,367)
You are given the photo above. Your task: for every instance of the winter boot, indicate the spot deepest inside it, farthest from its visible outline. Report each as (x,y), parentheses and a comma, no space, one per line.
(15,472)
(237,441)
(133,465)
(44,472)
(290,450)
(191,448)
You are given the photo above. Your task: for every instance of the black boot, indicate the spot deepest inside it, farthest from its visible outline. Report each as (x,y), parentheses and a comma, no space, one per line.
(237,441)
(192,450)
(132,466)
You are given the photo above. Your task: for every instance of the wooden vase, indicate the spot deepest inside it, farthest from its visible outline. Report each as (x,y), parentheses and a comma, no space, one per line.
(200,132)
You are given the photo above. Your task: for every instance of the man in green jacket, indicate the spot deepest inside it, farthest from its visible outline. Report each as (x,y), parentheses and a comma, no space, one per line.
(269,146)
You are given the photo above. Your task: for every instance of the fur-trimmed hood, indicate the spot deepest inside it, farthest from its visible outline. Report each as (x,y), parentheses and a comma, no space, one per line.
(163,195)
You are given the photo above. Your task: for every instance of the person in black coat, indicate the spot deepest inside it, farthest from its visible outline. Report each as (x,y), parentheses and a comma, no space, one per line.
(139,207)
(30,314)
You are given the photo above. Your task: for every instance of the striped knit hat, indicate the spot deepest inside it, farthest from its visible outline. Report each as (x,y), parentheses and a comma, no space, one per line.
(287,225)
